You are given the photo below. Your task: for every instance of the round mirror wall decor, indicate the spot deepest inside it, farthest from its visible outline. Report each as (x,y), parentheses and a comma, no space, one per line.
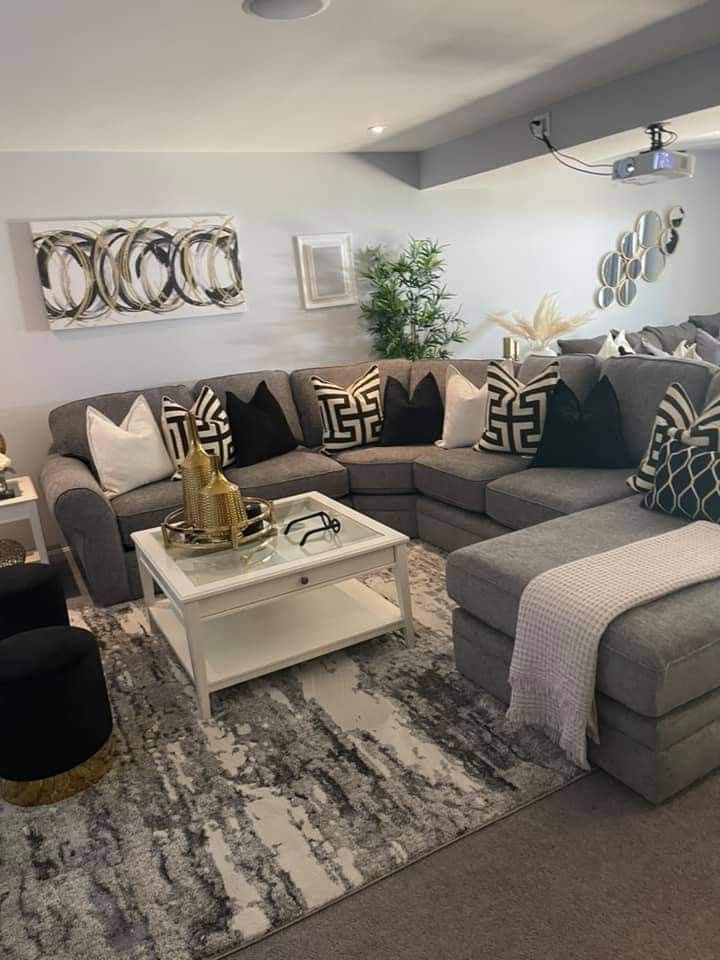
(612,269)
(669,240)
(642,254)
(627,291)
(633,269)
(649,225)
(604,297)
(676,216)
(629,244)
(653,264)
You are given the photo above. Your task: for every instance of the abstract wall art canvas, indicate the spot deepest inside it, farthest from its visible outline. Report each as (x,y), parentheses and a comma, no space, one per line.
(107,272)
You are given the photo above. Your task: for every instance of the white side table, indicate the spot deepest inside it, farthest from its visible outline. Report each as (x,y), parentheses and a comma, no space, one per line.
(24,506)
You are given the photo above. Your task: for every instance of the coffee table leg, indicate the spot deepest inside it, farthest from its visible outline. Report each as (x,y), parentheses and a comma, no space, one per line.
(146,582)
(197,657)
(402,583)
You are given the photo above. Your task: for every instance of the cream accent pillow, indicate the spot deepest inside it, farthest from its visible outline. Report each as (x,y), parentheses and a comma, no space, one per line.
(466,409)
(617,346)
(130,454)
(686,351)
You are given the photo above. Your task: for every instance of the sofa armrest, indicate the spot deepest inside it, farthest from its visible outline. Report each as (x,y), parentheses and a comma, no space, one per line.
(89,525)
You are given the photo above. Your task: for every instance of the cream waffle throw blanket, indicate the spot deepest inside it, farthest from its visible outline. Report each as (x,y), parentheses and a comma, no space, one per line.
(564,613)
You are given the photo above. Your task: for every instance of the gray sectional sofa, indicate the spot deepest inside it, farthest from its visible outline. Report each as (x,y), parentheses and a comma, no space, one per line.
(659,668)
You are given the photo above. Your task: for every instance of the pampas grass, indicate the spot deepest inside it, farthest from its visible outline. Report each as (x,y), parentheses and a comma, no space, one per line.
(547,322)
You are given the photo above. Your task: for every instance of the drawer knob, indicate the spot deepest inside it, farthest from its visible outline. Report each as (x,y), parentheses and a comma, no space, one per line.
(304,581)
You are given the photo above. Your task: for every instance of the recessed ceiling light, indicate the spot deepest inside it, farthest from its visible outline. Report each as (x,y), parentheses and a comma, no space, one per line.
(285,9)
(377,128)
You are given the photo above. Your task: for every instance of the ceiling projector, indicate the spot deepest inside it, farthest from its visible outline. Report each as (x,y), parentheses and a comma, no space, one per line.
(656,164)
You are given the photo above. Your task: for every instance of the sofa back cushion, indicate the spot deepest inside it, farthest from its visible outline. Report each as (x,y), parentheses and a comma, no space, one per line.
(474,370)
(304,393)
(672,335)
(713,389)
(582,344)
(580,372)
(595,344)
(640,384)
(68,422)
(709,322)
(244,385)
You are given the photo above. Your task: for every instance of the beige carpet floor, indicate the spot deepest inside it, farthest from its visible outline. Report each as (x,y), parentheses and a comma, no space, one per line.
(590,873)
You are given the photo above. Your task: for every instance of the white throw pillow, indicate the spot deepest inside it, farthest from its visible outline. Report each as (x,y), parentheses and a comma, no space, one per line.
(130,454)
(615,346)
(465,411)
(686,351)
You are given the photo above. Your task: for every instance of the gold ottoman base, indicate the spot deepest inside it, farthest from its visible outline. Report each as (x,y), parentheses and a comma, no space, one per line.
(35,793)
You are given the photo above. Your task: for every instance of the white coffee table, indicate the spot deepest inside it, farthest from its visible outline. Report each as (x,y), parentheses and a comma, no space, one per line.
(234,615)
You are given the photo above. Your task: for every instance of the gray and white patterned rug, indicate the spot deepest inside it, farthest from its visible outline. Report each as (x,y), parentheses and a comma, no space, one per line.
(305,786)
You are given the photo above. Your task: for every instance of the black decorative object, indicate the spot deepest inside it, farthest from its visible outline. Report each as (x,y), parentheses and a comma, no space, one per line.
(686,482)
(31,596)
(259,427)
(583,436)
(410,420)
(328,524)
(55,714)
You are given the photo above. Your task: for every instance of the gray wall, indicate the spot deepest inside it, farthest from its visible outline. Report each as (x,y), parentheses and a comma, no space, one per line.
(508,245)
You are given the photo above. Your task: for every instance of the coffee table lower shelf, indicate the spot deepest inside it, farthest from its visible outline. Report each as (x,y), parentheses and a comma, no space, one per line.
(252,641)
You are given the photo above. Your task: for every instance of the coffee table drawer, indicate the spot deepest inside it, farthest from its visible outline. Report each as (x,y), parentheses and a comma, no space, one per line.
(288,584)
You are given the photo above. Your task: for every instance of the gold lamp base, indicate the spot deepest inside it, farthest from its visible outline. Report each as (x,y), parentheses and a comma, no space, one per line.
(35,793)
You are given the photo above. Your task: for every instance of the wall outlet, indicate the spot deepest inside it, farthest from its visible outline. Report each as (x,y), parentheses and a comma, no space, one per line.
(540,126)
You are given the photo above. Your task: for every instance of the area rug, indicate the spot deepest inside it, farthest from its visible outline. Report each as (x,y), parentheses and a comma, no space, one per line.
(305,786)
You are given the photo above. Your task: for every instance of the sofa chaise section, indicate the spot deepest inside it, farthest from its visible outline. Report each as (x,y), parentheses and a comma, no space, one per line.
(658,665)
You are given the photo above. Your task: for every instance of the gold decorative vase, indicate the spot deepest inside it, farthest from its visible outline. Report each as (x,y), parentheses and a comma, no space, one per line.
(196,472)
(222,507)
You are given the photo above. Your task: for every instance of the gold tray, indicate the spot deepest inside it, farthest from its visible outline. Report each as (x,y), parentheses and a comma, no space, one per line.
(179,534)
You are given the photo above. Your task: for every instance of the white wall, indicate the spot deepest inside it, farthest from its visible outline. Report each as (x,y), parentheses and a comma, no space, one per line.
(507,246)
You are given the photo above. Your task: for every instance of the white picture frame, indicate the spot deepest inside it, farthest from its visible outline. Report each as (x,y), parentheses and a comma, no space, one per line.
(108,271)
(326,270)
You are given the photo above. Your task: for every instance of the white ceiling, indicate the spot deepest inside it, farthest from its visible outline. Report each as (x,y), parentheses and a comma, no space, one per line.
(201,75)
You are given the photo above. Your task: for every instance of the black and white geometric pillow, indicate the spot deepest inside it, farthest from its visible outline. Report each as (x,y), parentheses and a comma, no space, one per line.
(516,411)
(687,482)
(351,416)
(704,431)
(212,424)
(676,417)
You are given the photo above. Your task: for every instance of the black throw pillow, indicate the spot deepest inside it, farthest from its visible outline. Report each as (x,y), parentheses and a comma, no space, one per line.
(260,429)
(590,436)
(411,420)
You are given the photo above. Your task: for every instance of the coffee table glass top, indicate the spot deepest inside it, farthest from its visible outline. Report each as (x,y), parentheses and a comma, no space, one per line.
(280,548)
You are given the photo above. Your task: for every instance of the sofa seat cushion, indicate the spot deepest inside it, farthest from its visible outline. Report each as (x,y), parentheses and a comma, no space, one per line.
(544,493)
(299,471)
(381,469)
(459,477)
(652,658)
(145,507)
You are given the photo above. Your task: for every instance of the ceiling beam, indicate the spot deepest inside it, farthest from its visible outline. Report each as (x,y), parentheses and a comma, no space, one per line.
(681,86)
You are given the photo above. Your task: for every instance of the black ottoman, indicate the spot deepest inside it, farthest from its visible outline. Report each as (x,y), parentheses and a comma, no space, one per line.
(31,596)
(54,715)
